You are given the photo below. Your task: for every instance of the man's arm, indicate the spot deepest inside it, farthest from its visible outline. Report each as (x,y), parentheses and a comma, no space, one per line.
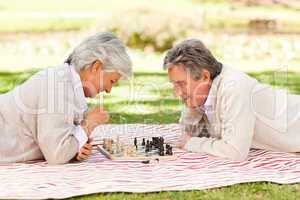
(237,126)
(189,120)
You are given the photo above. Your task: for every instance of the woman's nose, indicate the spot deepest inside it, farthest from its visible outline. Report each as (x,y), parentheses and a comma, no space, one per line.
(108,90)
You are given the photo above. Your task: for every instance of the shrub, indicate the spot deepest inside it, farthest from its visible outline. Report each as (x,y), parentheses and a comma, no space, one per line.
(156,30)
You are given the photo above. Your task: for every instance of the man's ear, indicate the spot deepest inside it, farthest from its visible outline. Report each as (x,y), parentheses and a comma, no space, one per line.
(96,66)
(205,75)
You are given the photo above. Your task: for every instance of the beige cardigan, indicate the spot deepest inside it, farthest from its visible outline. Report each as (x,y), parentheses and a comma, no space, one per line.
(245,114)
(38,117)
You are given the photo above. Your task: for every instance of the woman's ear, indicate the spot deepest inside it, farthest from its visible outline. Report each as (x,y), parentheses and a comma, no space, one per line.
(96,66)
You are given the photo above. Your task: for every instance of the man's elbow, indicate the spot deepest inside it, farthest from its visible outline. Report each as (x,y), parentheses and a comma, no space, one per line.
(237,156)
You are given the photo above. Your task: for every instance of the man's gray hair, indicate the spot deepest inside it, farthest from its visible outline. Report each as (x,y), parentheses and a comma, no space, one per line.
(105,47)
(193,56)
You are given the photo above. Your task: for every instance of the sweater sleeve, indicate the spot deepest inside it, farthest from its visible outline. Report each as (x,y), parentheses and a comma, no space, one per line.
(56,138)
(237,126)
(55,124)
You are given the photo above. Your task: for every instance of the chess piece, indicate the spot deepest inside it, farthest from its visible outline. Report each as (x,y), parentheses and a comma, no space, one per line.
(135,143)
(118,140)
(143,142)
(150,146)
(169,150)
(109,145)
(119,147)
(104,143)
(147,149)
(162,140)
(161,150)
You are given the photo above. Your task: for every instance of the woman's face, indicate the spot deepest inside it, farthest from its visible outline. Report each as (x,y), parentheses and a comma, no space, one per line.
(95,80)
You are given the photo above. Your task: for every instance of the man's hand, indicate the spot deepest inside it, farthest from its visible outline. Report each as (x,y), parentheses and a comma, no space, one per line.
(94,118)
(184,138)
(84,152)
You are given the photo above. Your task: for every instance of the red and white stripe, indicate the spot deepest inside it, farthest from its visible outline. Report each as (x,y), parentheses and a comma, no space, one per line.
(98,174)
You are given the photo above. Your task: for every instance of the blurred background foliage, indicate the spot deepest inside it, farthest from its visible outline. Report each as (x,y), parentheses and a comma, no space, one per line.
(248,34)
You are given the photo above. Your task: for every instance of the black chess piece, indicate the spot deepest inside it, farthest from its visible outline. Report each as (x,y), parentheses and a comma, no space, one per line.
(156,142)
(153,142)
(147,149)
(135,142)
(169,150)
(161,150)
(161,140)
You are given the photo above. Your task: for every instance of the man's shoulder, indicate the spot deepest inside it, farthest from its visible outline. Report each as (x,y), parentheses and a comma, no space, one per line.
(230,74)
(232,80)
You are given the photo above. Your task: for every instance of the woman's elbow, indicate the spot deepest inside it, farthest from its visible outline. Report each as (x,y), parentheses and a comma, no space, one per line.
(57,161)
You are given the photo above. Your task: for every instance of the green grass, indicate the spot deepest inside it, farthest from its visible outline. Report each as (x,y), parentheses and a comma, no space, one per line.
(148,99)
(248,191)
(40,24)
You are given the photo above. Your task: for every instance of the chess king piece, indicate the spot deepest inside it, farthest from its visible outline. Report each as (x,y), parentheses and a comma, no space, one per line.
(143,142)
(135,143)
(147,149)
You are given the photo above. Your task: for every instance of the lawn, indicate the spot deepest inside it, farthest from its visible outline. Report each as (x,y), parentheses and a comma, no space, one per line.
(147,98)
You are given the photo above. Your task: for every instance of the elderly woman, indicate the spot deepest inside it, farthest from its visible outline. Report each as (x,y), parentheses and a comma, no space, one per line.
(46,117)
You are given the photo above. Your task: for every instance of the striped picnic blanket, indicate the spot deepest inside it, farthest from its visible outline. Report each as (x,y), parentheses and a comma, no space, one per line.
(98,174)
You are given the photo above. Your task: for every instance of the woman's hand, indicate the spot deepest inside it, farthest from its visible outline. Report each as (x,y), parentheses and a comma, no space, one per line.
(84,152)
(94,118)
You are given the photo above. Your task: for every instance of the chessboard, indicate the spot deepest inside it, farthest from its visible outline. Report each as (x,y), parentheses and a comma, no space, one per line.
(143,149)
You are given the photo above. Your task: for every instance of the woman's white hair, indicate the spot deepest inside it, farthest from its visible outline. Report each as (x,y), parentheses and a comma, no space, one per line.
(105,47)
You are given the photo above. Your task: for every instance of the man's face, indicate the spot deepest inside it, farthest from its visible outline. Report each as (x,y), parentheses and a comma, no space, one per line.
(96,80)
(192,92)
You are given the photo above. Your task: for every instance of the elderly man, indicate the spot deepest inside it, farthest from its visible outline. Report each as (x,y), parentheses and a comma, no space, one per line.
(226,111)
(46,116)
